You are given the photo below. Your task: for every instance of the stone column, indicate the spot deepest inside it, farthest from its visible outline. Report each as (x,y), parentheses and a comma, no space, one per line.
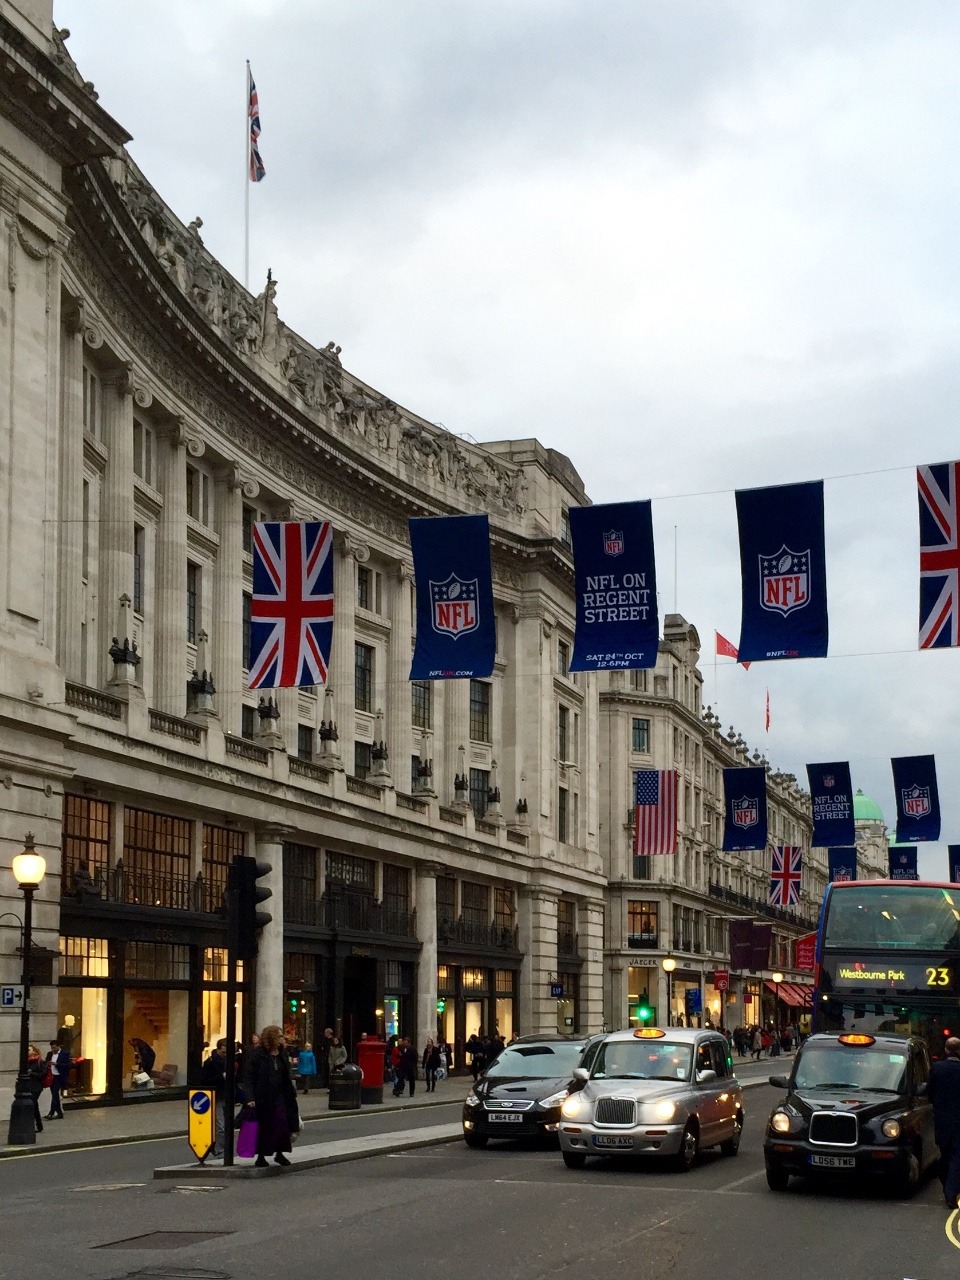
(456,734)
(170,664)
(227,596)
(342,647)
(70,602)
(538,942)
(426,891)
(591,977)
(116,508)
(269,993)
(399,727)
(615,1010)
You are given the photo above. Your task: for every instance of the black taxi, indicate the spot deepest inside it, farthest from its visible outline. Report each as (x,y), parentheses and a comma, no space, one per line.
(855,1105)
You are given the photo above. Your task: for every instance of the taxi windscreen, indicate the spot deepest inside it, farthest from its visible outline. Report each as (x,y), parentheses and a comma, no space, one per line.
(874,1069)
(536,1061)
(643,1060)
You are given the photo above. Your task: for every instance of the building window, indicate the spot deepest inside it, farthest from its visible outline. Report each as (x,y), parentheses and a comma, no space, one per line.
(363,677)
(220,846)
(479,711)
(248,722)
(156,859)
(446,898)
(344,869)
(305,741)
(475,906)
(364,587)
(144,451)
(247,628)
(638,681)
(198,495)
(139,544)
(396,889)
(300,865)
(565,537)
(421,702)
(86,842)
(563,733)
(563,658)
(479,790)
(641,735)
(362,759)
(193,602)
(642,930)
(248,519)
(563,814)
(91,403)
(505,909)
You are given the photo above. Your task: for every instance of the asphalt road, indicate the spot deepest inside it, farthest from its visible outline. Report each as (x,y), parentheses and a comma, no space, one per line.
(509,1211)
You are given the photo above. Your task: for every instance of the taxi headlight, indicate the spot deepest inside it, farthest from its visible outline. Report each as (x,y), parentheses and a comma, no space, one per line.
(780,1122)
(575,1107)
(554,1100)
(890,1128)
(472,1100)
(664,1110)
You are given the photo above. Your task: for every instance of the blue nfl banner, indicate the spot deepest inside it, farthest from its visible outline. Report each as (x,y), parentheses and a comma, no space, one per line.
(903,862)
(953,862)
(842,863)
(831,799)
(456,635)
(783,572)
(918,802)
(745,809)
(616,586)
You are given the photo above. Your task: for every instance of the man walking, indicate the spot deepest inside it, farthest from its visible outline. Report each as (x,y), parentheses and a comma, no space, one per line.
(213,1075)
(58,1062)
(943,1090)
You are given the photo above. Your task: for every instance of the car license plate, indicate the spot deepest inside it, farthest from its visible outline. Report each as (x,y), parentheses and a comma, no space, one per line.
(498,1117)
(605,1140)
(834,1162)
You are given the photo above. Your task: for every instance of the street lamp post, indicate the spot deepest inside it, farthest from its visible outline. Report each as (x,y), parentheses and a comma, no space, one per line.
(28,870)
(669,964)
(777,979)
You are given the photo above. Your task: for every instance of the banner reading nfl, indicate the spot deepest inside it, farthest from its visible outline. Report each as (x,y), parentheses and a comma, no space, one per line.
(783,571)
(456,636)
(842,863)
(616,586)
(831,799)
(918,802)
(903,863)
(745,809)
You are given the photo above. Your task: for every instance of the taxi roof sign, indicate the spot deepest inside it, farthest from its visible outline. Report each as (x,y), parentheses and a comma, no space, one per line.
(649,1033)
(856,1039)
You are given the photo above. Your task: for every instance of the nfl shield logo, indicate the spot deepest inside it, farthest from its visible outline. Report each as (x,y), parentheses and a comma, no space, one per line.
(785,581)
(843,873)
(455,606)
(745,812)
(613,543)
(828,780)
(916,801)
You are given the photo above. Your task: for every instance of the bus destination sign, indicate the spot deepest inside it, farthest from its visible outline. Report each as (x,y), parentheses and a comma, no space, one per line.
(884,975)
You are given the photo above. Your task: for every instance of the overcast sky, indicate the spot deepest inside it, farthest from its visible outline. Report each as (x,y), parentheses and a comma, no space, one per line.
(694,246)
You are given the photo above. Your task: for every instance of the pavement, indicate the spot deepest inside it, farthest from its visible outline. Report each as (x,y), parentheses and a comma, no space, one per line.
(86,1126)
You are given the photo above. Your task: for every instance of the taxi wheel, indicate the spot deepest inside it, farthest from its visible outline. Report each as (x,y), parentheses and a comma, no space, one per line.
(910,1178)
(476,1140)
(573,1159)
(689,1146)
(732,1145)
(777,1179)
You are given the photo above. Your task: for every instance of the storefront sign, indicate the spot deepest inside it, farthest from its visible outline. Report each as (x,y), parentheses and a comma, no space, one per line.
(202,1117)
(804,950)
(556,990)
(721,979)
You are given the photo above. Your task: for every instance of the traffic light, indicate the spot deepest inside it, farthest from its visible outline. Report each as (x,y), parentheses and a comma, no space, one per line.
(644,1013)
(244,898)
(441,1005)
(294,1004)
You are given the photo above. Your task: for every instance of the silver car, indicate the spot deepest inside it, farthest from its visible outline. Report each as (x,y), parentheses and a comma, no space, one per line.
(654,1091)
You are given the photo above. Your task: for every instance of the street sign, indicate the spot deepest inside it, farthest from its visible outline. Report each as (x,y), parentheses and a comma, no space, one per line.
(11,999)
(202,1113)
(721,979)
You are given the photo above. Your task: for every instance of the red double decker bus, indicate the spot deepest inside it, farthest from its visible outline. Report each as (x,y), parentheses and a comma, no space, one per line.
(888,960)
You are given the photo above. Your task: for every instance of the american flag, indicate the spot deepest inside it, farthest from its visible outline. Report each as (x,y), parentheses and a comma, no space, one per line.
(291,612)
(786,875)
(938,489)
(257,167)
(655,828)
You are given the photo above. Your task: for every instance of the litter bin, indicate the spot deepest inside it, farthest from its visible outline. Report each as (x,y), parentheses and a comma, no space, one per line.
(370,1056)
(345,1089)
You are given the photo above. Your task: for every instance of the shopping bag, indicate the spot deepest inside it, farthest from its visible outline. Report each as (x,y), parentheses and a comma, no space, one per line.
(247,1139)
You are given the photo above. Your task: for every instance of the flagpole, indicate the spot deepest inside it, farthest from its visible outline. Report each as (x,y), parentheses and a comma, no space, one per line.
(675,610)
(246,185)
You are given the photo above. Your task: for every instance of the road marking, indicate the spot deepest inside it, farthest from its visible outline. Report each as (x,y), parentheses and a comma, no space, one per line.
(749,1178)
(952,1228)
(109,1186)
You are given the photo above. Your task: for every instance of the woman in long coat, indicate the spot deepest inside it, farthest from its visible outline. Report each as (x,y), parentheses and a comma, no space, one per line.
(272,1096)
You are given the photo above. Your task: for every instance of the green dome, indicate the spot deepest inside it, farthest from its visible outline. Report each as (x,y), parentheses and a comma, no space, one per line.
(865,809)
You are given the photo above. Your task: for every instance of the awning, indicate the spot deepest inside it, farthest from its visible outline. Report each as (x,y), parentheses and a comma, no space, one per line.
(795,994)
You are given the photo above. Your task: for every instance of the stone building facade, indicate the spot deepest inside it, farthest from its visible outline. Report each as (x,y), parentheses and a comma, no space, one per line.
(435,863)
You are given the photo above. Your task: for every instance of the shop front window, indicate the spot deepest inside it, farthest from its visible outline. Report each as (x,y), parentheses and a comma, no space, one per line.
(82,1019)
(155,1025)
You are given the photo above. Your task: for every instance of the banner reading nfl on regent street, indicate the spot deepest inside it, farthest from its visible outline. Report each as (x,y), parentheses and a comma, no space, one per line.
(616,586)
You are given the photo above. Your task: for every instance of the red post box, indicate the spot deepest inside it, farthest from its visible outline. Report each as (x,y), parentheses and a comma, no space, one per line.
(370,1060)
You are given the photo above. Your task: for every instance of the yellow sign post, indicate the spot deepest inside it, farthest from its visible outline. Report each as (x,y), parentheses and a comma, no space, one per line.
(202,1122)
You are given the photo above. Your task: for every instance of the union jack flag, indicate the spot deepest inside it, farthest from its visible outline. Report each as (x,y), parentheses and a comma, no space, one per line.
(938,488)
(291,612)
(257,168)
(786,875)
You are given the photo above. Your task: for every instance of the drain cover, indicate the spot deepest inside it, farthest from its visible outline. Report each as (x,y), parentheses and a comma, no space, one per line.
(167,1240)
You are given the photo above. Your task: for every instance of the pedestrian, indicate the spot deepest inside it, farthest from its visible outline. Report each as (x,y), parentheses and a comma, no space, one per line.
(409,1061)
(431,1065)
(37,1077)
(943,1090)
(766,1039)
(144,1055)
(397,1064)
(306,1068)
(58,1060)
(756,1043)
(473,1048)
(213,1075)
(446,1058)
(323,1057)
(272,1098)
(336,1057)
